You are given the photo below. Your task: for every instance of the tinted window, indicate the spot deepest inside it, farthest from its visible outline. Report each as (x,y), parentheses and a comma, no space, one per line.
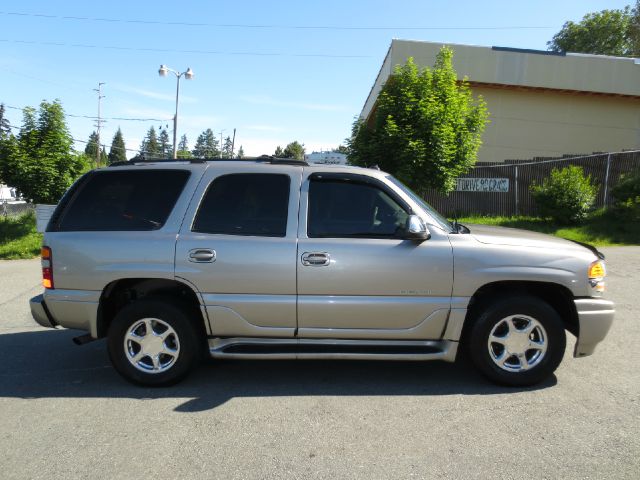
(245,204)
(123,200)
(348,209)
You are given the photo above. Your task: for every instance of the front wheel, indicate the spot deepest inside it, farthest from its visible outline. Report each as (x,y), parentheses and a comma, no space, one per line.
(153,343)
(517,341)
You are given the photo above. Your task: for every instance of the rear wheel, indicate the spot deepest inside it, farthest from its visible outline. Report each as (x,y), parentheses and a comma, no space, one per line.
(153,343)
(517,341)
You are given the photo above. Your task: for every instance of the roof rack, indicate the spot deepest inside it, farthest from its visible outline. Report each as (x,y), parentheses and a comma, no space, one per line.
(261,159)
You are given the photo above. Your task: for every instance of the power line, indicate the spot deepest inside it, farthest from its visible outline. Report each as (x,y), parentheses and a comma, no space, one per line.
(91,117)
(268,26)
(165,50)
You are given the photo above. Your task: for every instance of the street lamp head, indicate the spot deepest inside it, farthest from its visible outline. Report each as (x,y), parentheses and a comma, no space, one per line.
(163,71)
(188,74)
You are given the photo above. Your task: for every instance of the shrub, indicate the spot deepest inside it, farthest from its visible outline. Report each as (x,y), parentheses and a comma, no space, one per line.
(566,196)
(626,196)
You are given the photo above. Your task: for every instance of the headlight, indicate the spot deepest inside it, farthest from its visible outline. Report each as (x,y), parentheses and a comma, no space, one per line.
(596,273)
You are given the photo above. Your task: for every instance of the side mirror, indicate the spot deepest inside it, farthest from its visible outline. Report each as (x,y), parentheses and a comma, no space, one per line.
(416,229)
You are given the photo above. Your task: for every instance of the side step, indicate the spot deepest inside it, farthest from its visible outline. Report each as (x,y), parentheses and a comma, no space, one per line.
(291,348)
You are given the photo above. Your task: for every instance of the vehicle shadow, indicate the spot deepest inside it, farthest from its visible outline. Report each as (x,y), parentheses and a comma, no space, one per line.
(45,364)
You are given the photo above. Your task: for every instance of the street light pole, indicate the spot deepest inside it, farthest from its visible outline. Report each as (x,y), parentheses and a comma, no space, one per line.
(188,74)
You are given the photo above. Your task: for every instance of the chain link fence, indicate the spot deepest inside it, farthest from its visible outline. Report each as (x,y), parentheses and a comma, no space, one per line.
(504,188)
(8,209)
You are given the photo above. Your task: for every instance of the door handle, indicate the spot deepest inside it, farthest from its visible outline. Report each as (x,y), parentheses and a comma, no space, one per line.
(202,255)
(316,259)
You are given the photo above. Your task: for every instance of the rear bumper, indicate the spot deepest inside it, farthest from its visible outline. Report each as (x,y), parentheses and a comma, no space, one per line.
(595,317)
(40,312)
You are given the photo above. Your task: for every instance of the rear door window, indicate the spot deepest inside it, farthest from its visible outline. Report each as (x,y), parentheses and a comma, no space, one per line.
(245,204)
(124,200)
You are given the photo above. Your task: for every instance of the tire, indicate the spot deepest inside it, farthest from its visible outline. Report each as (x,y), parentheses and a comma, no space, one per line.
(517,341)
(157,359)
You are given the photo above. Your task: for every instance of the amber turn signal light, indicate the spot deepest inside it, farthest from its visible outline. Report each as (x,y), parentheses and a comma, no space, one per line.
(597,269)
(47,267)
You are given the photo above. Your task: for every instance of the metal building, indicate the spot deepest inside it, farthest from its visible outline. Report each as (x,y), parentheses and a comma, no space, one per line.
(541,104)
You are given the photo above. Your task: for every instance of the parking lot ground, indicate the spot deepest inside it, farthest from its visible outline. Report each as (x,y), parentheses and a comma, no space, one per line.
(65,413)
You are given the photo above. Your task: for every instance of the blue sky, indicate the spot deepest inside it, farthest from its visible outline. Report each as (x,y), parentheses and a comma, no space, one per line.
(272,70)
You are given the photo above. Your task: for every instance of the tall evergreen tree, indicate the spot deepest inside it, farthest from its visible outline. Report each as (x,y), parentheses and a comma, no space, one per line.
(206,145)
(227,148)
(118,151)
(240,154)
(279,153)
(5,127)
(183,148)
(150,147)
(166,148)
(91,150)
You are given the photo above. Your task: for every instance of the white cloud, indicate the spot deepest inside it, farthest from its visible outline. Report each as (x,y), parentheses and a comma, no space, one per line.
(153,94)
(267,100)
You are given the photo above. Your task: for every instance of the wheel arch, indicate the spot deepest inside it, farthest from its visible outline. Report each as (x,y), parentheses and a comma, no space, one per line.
(557,296)
(122,292)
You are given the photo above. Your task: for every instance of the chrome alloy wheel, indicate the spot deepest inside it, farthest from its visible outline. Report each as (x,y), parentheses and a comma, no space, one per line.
(151,345)
(517,343)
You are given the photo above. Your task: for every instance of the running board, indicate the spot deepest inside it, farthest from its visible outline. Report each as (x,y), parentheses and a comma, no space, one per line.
(318,349)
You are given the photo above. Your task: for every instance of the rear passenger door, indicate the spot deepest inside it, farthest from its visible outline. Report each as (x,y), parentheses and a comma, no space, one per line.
(237,245)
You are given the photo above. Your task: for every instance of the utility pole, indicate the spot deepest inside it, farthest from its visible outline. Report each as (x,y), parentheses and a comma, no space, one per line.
(233,142)
(221,142)
(99,121)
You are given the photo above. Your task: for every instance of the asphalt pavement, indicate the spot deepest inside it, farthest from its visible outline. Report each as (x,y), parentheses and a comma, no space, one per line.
(65,413)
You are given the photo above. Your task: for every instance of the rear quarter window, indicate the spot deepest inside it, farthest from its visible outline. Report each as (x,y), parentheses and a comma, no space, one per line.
(124,200)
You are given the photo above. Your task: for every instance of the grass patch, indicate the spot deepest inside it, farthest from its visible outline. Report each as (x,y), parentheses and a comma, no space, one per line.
(19,238)
(602,228)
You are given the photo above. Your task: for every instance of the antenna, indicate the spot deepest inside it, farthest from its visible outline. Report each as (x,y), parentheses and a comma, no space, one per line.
(99,120)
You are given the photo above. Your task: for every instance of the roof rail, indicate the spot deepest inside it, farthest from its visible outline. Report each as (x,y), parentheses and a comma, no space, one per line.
(158,160)
(261,159)
(280,161)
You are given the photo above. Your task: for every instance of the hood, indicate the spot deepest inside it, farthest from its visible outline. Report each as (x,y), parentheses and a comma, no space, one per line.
(520,238)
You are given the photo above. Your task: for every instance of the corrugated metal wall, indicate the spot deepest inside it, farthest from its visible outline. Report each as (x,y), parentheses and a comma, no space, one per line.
(605,170)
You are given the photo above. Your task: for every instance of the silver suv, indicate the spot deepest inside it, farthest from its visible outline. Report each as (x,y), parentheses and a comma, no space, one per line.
(273,259)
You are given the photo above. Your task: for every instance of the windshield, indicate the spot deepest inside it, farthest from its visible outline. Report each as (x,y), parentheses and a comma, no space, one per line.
(433,213)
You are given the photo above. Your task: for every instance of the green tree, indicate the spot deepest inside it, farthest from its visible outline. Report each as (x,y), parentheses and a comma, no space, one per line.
(608,32)
(279,153)
(342,149)
(91,149)
(634,30)
(240,154)
(166,148)
(183,148)
(294,150)
(40,161)
(118,150)
(150,147)
(5,126)
(206,145)
(426,129)
(227,148)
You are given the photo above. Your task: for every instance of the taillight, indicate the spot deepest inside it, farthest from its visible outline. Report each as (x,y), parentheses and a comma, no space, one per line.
(47,268)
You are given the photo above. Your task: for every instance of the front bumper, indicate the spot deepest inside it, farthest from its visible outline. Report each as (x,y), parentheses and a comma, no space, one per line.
(595,317)
(40,312)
